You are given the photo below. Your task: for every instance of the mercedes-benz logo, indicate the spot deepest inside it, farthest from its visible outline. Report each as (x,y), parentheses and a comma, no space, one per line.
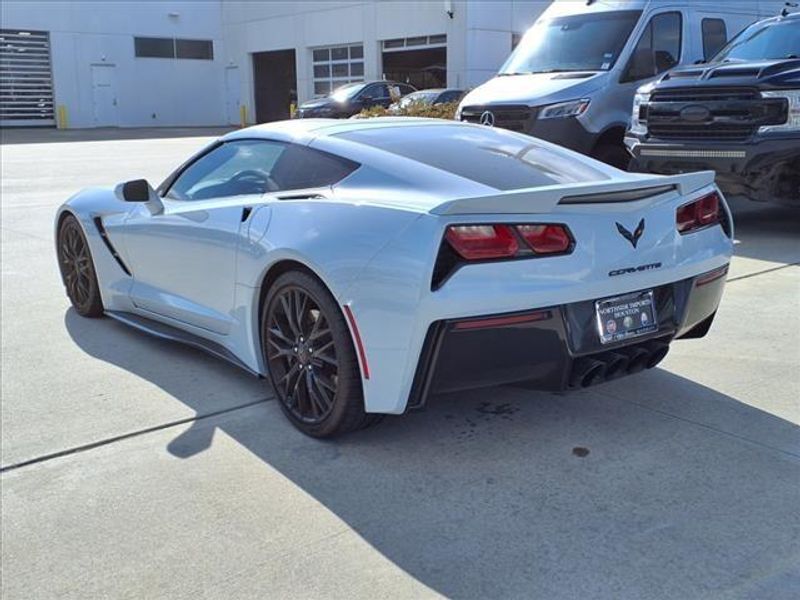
(487,118)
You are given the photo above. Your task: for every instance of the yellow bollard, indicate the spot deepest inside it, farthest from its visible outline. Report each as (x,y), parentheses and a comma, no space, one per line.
(61,118)
(243,115)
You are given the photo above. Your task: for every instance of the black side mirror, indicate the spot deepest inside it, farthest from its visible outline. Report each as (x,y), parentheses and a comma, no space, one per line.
(137,190)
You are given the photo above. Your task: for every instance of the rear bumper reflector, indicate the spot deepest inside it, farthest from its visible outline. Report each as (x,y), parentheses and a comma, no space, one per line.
(502,321)
(707,278)
(362,356)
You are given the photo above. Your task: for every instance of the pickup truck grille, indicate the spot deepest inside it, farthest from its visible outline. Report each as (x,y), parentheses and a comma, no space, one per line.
(711,114)
(509,116)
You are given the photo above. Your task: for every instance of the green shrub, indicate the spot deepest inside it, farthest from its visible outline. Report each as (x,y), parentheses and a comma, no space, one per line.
(415,109)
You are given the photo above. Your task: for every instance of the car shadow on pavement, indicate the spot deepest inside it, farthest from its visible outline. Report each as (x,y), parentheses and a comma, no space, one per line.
(651,486)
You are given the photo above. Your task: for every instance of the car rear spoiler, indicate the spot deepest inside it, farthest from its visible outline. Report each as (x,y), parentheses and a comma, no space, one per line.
(546,199)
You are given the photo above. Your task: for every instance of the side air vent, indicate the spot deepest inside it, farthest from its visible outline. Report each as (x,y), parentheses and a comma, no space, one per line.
(98,222)
(624,196)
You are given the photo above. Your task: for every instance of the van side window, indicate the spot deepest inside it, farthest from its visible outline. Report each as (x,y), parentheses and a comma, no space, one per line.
(658,49)
(715,35)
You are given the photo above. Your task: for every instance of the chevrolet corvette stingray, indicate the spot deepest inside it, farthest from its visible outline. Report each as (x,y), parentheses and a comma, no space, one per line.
(364,266)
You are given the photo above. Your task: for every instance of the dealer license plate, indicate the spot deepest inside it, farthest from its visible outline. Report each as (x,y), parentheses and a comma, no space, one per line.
(626,317)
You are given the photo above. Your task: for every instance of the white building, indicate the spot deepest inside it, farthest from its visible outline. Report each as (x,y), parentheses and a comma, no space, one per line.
(172,62)
(107,68)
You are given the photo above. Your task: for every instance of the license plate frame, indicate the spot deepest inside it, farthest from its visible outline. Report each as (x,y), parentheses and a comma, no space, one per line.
(625,317)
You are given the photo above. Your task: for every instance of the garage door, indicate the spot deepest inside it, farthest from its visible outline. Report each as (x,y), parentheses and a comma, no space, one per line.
(26,84)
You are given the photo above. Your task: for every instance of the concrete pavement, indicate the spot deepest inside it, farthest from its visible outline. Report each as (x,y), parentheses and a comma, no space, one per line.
(160,472)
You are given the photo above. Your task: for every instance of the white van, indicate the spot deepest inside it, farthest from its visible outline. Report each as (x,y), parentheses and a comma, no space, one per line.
(572,78)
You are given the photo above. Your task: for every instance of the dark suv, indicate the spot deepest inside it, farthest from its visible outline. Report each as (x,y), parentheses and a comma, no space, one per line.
(738,115)
(352,98)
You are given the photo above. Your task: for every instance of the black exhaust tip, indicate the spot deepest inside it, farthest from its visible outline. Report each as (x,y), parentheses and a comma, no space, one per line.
(658,350)
(637,359)
(587,371)
(616,364)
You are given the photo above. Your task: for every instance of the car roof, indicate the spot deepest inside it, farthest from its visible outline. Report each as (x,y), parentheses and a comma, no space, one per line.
(304,130)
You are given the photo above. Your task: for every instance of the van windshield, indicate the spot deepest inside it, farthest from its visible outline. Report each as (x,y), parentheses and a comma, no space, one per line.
(587,42)
(763,42)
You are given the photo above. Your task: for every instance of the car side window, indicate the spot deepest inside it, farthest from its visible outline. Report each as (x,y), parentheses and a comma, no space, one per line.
(715,35)
(658,48)
(380,91)
(446,97)
(301,167)
(232,169)
(406,89)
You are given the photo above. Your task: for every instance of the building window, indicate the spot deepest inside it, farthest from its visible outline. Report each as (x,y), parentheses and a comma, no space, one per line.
(714,36)
(336,66)
(153,47)
(147,47)
(197,49)
(427,41)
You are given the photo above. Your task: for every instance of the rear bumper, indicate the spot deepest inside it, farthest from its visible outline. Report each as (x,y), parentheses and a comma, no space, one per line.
(554,348)
(759,169)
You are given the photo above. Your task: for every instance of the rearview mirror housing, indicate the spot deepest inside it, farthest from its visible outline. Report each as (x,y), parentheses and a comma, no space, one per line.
(139,190)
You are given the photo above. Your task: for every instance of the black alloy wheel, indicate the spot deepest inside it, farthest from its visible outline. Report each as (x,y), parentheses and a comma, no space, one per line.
(302,354)
(310,357)
(77,269)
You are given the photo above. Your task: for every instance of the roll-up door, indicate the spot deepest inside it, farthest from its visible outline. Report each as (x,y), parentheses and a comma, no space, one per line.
(26,83)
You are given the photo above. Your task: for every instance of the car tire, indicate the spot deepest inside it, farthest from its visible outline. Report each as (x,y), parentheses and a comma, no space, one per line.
(77,269)
(309,353)
(614,155)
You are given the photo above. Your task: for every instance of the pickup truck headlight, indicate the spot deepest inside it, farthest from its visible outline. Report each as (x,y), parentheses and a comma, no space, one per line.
(639,127)
(573,108)
(793,119)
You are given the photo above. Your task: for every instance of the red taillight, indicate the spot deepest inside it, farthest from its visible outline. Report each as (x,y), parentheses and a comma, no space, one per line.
(482,242)
(546,239)
(699,213)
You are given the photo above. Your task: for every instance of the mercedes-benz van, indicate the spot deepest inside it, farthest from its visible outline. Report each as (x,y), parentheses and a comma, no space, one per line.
(572,78)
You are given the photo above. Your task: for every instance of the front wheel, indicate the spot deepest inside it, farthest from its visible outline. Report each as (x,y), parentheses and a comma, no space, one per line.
(77,269)
(310,356)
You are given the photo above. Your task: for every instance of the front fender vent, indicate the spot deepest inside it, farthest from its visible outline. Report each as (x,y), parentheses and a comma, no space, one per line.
(98,222)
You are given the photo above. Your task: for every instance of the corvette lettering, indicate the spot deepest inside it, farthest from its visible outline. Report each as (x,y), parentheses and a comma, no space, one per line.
(629,270)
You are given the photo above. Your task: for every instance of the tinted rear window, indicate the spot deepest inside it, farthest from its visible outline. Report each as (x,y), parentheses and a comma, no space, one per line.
(493,157)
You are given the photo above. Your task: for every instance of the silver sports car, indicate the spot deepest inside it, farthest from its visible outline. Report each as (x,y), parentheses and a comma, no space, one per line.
(363,266)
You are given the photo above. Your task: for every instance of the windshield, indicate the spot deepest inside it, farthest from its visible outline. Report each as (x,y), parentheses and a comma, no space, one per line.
(763,42)
(346,92)
(587,42)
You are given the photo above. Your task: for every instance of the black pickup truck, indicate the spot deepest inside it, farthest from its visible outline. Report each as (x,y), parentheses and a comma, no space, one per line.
(738,115)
